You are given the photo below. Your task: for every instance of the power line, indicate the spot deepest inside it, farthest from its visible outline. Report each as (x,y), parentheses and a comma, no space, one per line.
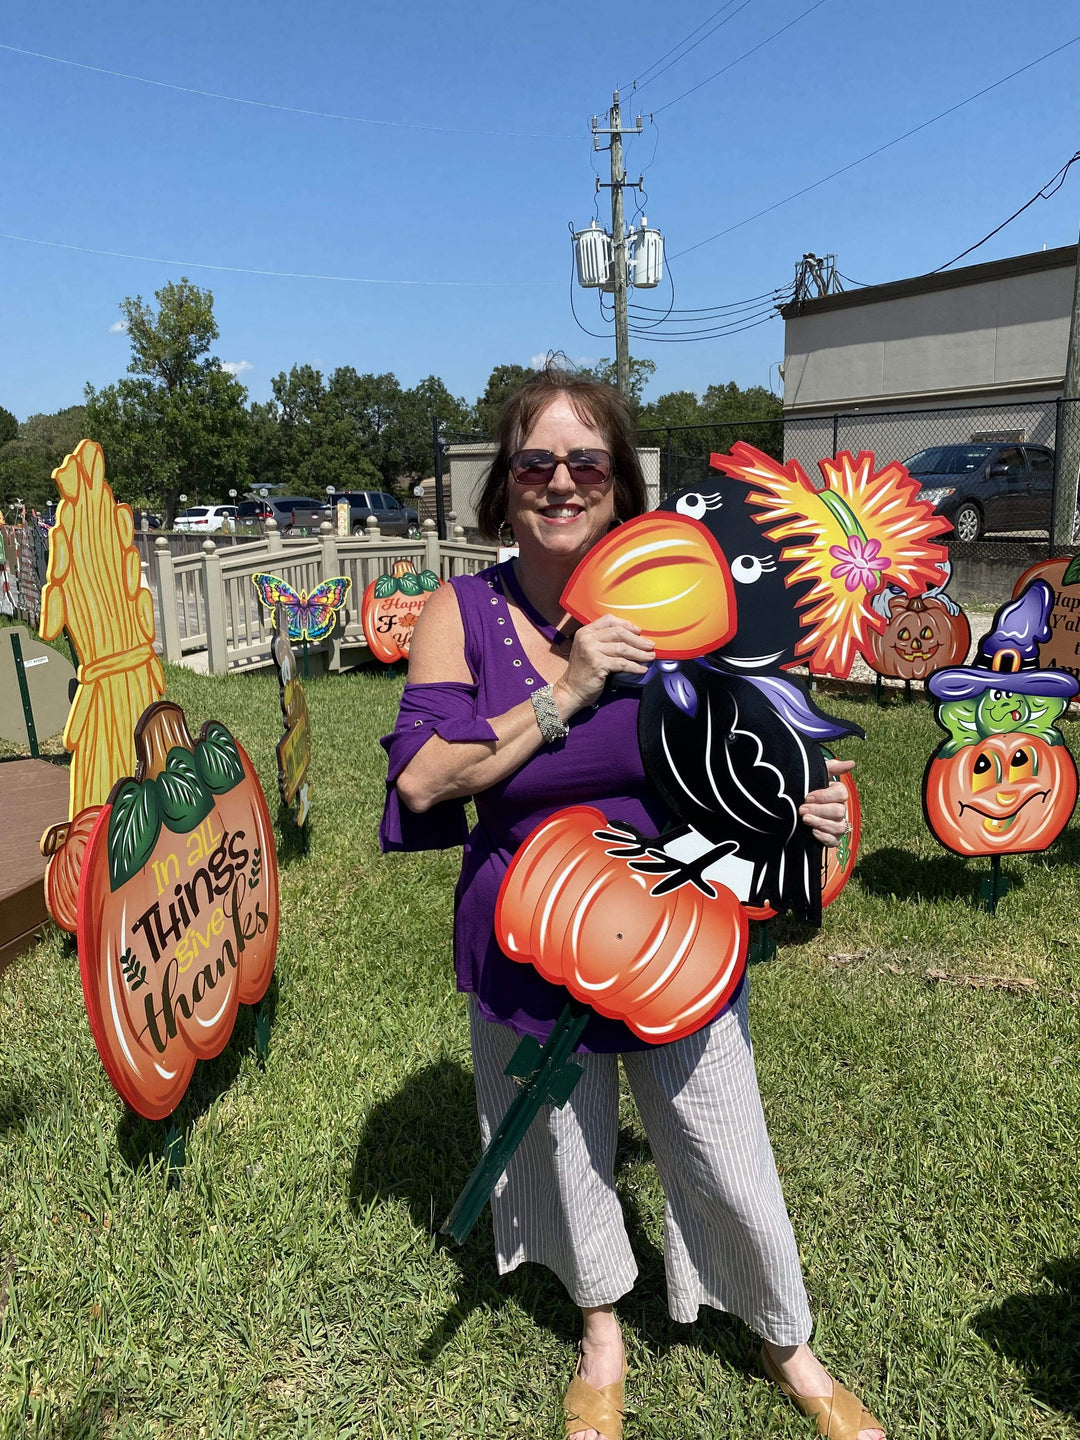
(745,55)
(286,109)
(705,310)
(634,83)
(1052,186)
(870,154)
(273,274)
(709,335)
(636,86)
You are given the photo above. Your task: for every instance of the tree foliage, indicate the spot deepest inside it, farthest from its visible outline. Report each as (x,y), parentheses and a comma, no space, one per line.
(9,426)
(178,423)
(727,412)
(28,458)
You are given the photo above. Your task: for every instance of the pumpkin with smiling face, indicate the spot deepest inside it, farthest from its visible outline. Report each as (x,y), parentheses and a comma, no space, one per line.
(1002,795)
(921,635)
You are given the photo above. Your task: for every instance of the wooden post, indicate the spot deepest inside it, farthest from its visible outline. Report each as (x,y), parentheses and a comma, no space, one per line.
(170,621)
(371,528)
(432,550)
(330,568)
(217,644)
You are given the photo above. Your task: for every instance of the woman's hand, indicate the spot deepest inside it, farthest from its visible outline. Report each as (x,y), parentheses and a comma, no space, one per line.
(601,648)
(825,811)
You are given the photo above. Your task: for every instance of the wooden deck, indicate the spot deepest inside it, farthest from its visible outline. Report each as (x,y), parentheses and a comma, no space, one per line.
(33,796)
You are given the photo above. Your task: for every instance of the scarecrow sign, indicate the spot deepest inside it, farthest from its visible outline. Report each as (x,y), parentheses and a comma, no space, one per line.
(294,747)
(178,908)
(94,591)
(391,607)
(1003,781)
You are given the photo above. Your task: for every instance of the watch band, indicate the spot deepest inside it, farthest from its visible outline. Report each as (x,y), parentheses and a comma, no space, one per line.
(547,715)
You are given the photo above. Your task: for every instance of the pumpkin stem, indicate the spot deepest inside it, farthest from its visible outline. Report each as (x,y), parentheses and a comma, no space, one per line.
(161,728)
(403,567)
(917,603)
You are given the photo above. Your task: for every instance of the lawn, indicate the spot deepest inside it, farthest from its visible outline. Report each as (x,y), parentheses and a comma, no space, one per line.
(918,1062)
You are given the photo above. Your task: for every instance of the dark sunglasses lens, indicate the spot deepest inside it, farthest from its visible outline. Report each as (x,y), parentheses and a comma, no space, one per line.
(589,467)
(533,466)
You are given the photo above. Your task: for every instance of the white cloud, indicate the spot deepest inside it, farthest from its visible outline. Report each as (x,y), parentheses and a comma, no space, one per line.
(538,361)
(118,327)
(236,367)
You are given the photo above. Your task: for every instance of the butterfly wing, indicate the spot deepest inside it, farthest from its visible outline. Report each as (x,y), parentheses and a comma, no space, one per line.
(318,611)
(273,591)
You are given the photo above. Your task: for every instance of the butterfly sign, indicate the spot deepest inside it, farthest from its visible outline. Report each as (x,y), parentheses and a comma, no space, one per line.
(310,616)
(391,607)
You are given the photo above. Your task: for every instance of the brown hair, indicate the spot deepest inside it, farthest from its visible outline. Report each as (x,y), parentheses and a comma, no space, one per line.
(595,403)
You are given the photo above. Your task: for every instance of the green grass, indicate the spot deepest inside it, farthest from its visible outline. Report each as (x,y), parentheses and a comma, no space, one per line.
(926,1131)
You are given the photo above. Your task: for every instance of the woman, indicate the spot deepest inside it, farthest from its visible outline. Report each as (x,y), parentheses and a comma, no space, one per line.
(508,701)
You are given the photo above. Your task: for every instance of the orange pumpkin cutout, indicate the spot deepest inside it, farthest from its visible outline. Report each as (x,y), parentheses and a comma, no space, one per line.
(921,634)
(390,608)
(1003,795)
(1061,650)
(178,908)
(665,573)
(573,904)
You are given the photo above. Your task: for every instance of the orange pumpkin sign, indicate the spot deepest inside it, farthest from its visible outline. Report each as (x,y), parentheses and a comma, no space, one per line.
(1004,795)
(576,904)
(390,608)
(923,633)
(1061,649)
(178,908)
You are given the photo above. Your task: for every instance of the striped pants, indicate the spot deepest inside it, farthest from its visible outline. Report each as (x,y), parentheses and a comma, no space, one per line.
(728,1241)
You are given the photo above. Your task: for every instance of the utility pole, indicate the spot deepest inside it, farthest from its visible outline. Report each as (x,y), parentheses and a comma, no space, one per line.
(618,238)
(1067,440)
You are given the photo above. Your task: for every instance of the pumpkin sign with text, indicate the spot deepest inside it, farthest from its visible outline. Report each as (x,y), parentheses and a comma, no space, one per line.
(178,908)
(391,607)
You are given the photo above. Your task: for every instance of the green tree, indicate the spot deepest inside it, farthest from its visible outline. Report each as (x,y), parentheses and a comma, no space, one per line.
(641,372)
(410,441)
(28,459)
(724,414)
(502,382)
(9,426)
(178,423)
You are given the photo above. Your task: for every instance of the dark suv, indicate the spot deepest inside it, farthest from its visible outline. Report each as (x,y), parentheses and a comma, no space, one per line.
(985,488)
(393,517)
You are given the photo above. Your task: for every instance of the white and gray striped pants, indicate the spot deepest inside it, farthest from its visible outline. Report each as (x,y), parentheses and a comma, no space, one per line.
(728,1241)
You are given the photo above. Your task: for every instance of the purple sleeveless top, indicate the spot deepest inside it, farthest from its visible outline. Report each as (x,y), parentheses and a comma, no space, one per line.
(598,763)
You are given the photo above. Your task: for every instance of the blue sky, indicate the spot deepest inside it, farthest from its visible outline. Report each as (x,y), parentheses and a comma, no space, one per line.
(111,164)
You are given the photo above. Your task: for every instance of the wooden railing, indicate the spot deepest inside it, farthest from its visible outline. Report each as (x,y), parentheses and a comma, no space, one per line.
(206,601)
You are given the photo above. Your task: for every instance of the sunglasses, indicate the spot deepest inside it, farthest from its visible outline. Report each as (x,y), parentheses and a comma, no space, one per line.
(536,467)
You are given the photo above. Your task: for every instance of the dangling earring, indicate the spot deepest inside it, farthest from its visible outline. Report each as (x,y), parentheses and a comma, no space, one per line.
(509,540)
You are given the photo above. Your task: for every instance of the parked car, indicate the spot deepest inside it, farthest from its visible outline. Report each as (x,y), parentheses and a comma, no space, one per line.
(393,517)
(153,522)
(206,517)
(296,512)
(987,488)
(248,511)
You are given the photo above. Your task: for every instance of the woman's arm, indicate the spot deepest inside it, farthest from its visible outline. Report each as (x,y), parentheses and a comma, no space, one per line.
(441,770)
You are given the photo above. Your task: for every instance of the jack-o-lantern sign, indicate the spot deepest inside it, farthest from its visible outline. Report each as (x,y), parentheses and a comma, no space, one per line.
(1004,795)
(391,607)
(922,633)
(582,902)
(1003,782)
(178,908)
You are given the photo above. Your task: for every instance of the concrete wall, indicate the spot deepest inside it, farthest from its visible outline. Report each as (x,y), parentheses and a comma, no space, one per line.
(962,343)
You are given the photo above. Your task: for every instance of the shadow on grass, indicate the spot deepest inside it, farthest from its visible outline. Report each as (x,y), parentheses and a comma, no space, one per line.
(1040,1333)
(294,840)
(141,1141)
(17,1108)
(903,875)
(421,1145)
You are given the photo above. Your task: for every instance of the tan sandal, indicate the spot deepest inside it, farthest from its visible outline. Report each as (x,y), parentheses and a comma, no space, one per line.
(839,1416)
(588,1408)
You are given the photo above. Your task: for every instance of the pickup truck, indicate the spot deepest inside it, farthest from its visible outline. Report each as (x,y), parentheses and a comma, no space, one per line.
(297,514)
(393,517)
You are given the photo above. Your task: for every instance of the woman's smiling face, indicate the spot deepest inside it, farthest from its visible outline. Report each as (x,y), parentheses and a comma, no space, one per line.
(560,518)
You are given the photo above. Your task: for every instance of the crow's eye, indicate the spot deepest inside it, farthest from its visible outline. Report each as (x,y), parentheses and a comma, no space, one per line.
(748,568)
(692,505)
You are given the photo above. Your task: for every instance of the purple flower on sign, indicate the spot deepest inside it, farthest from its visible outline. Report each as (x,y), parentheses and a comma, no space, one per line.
(859,562)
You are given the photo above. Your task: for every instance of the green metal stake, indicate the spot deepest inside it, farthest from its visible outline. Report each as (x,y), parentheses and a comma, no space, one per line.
(262,1035)
(174,1156)
(549,1077)
(24,691)
(762,945)
(305,655)
(878,690)
(994,886)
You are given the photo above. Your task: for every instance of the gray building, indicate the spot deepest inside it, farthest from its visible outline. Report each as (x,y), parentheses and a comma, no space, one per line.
(987,342)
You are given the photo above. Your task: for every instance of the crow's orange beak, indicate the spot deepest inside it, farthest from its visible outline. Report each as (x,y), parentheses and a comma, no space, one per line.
(665,573)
